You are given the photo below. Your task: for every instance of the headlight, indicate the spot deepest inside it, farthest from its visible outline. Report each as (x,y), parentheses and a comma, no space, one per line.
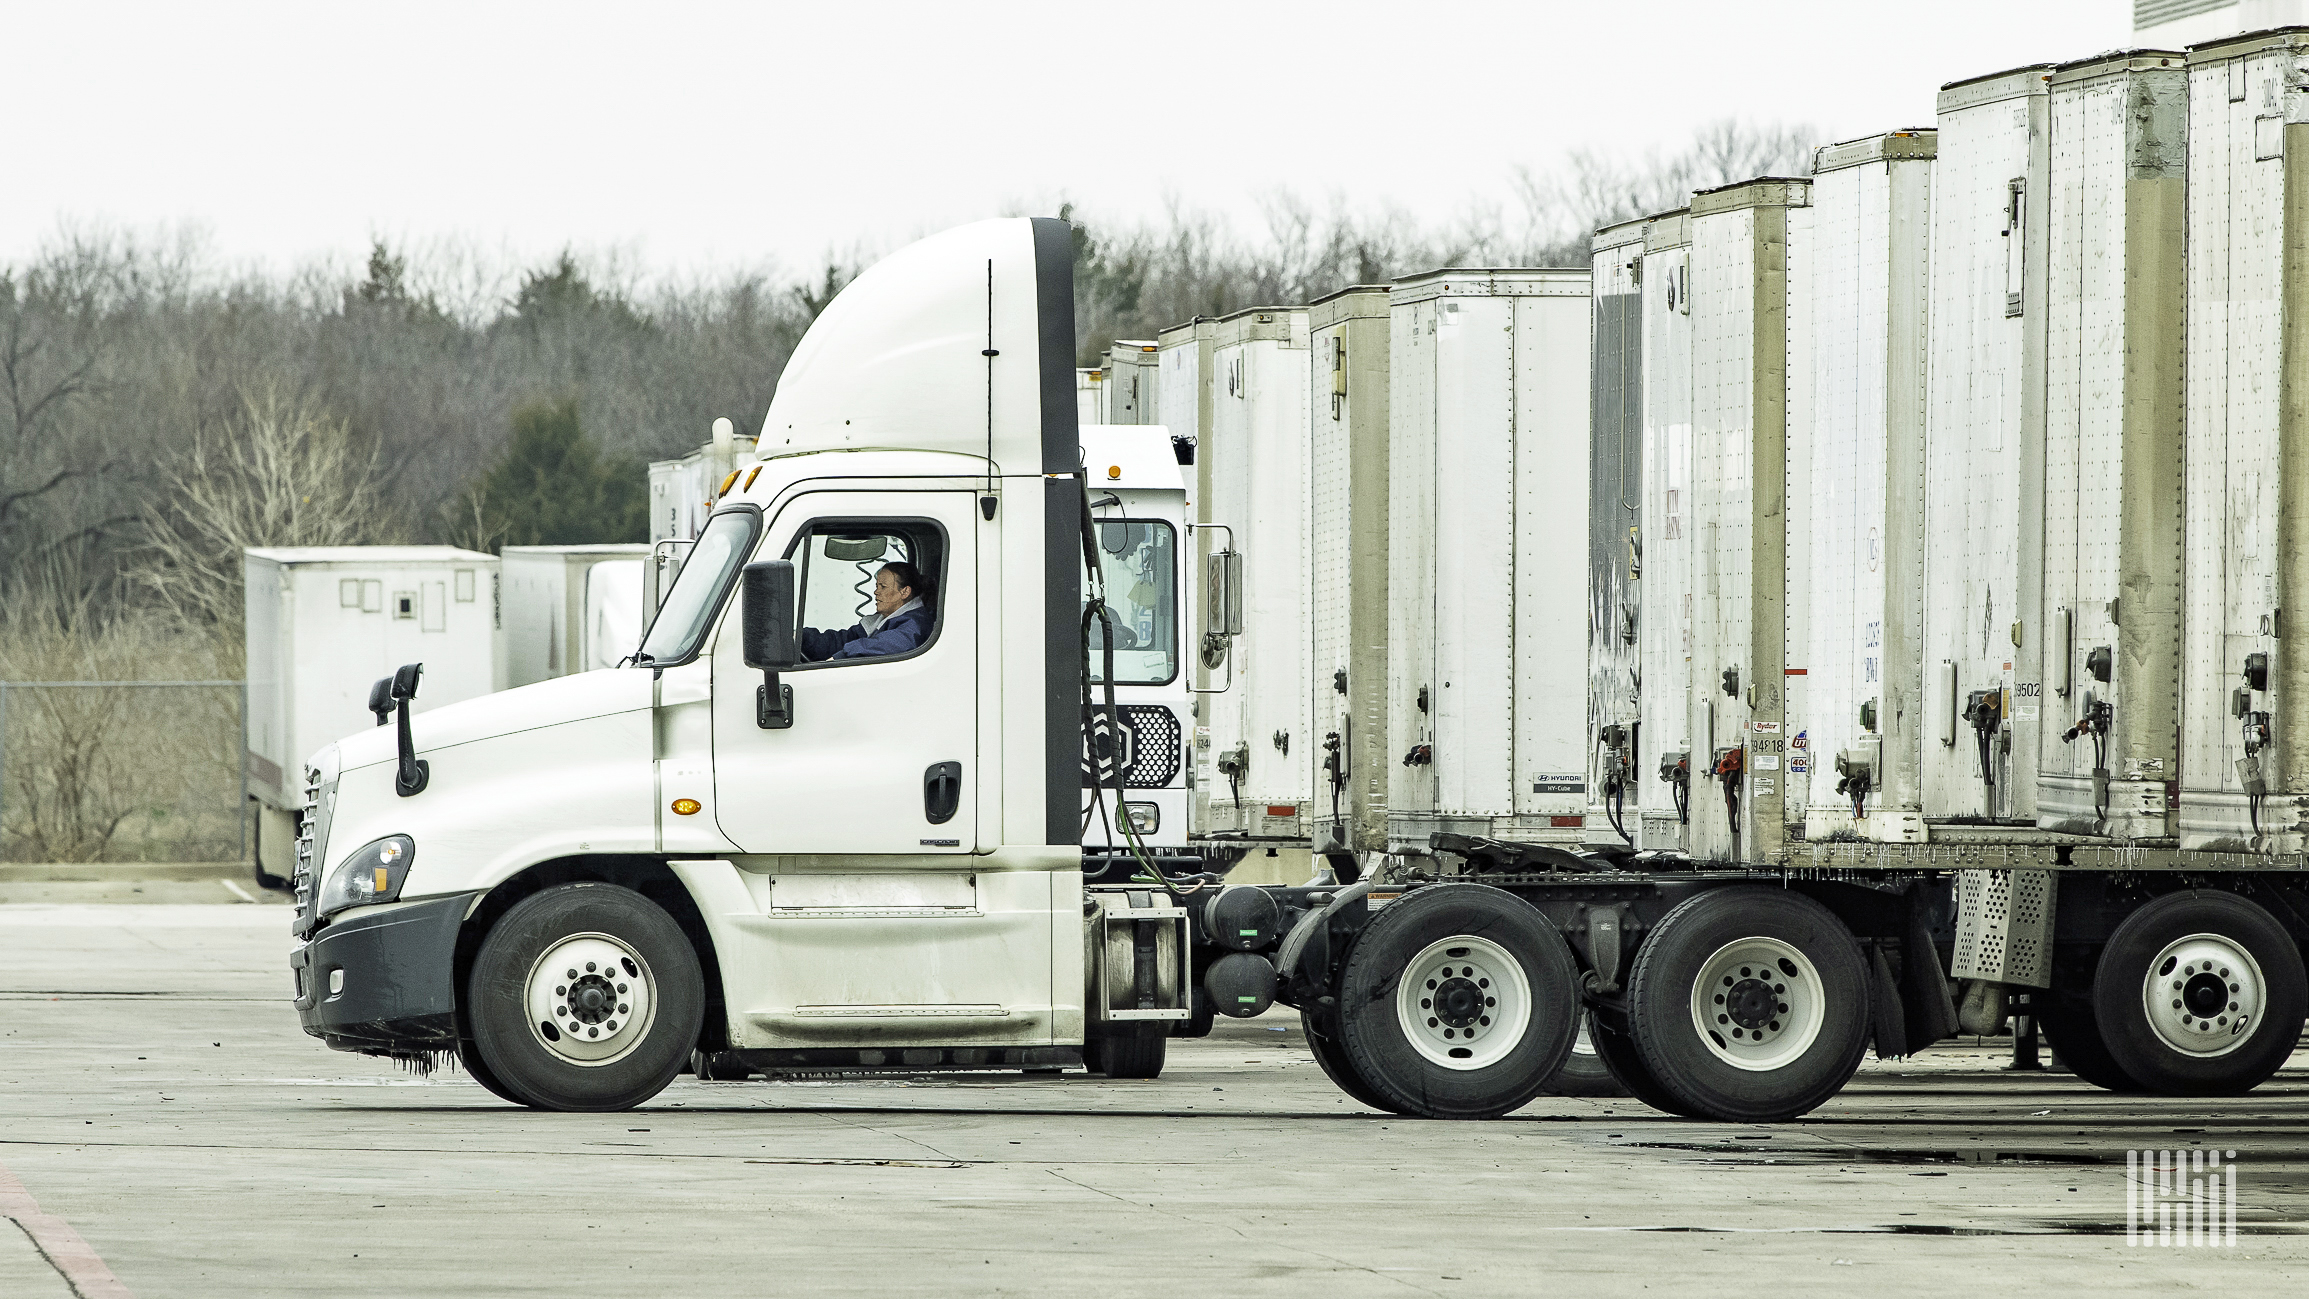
(1144,818)
(373,874)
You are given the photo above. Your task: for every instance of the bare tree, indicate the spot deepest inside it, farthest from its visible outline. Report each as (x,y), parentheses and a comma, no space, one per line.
(283,471)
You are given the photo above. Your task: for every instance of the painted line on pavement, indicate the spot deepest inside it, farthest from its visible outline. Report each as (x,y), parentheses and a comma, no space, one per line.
(71,1256)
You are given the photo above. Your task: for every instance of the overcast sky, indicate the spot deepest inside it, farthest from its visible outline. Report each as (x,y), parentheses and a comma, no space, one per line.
(698,135)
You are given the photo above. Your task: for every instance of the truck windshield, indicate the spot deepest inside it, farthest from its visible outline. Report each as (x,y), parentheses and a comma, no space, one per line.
(1138,561)
(697,593)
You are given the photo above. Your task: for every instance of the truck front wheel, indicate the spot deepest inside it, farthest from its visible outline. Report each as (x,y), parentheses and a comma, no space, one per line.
(585,997)
(1458,1001)
(2199,994)
(1749,1005)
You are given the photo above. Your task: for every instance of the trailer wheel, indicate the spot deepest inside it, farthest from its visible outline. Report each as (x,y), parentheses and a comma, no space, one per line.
(1749,1005)
(2068,1023)
(2200,994)
(585,997)
(1458,1001)
(1134,1050)
(1584,1072)
(1323,1044)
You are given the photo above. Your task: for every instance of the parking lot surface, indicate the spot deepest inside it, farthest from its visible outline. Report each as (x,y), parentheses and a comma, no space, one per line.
(169,1131)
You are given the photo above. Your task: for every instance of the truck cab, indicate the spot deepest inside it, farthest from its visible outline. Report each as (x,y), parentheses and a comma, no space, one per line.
(752,840)
(1138,504)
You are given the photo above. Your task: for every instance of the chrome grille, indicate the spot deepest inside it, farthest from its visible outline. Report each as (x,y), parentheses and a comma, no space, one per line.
(302,879)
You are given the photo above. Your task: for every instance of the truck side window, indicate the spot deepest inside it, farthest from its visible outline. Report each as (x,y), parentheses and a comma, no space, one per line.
(870,589)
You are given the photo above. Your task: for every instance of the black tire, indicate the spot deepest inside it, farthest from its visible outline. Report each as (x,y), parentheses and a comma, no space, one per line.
(1331,1057)
(478,1068)
(2162,941)
(1584,1072)
(718,1066)
(2068,1023)
(1805,1048)
(1480,951)
(629,936)
(1616,1047)
(1134,1050)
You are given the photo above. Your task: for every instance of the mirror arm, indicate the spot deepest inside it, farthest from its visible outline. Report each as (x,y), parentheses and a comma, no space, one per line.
(414,772)
(773,703)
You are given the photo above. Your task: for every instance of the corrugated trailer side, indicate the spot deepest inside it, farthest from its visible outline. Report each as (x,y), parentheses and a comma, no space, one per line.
(1132,387)
(2113,446)
(1859,728)
(1983,449)
(1347,556)
(2245,749)
(1740,255)
(1488,405)
(1616,743)
(1663,622)
(1256,452)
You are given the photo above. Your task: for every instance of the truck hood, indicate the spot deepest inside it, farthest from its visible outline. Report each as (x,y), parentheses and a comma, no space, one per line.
(525,708)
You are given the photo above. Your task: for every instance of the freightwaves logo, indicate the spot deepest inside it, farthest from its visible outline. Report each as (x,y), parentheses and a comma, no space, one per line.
(2180,1197)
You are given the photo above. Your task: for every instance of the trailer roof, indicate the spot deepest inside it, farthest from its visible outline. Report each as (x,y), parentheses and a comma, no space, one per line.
(2229,47)
(369,555)
(2012,83)
(1918,142)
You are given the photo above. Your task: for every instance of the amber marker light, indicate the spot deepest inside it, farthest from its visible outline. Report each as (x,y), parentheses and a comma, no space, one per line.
(1114,471)
(686,807)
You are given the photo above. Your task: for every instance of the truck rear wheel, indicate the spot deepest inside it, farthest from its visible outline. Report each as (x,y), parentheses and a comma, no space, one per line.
(1749,1005)
(1331,1057)
(1458,1001)
(2068,1023)
(585,997)
(1133,1050)
(2200,994)
(1584,1072)
(1616,1047)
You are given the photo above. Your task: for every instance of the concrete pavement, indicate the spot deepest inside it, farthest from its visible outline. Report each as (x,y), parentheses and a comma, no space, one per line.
(157,1096)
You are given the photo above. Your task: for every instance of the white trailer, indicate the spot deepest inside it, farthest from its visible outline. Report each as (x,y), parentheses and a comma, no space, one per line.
(2245,679)
(1664,619)
(570,608)
(1983,448)
(1132,383)
(1742,241)
(2114,412)
(1615,531)
(323,623)
(684,491)
(1858,732)
(1347,559)
(1487,534)
(1090,395)
(1255,455)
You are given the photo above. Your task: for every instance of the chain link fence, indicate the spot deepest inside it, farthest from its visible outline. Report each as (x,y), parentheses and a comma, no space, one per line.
(115,771)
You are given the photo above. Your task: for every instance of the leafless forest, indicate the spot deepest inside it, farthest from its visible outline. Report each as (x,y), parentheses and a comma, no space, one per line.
(164,409)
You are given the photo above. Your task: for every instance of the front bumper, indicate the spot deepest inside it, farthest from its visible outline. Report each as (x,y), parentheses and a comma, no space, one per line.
(397,993)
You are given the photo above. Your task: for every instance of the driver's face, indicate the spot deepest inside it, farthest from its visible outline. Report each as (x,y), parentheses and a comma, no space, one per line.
(888,595)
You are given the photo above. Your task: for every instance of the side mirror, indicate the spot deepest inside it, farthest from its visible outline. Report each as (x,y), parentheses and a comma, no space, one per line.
(381,700)
(412,773)
(405,680)
(1223,614)
(769,615)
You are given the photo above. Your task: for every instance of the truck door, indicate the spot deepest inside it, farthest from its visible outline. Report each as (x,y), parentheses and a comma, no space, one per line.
(881,922)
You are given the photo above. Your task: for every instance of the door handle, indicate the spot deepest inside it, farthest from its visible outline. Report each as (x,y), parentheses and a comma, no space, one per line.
(941,791)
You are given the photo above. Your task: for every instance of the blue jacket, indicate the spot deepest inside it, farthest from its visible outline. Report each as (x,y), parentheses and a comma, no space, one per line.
(899,633)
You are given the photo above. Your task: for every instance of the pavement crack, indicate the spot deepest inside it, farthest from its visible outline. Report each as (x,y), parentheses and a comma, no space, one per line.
(886,1132)
(1240,1233)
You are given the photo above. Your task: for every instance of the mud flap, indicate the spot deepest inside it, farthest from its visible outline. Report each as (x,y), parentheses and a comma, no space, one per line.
(1924,993)
(1887,1019)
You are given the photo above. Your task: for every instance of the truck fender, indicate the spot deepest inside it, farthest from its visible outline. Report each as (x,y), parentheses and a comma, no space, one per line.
(1309,953)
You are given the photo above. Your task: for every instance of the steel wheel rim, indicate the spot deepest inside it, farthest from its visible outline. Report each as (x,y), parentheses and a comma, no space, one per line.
(590,999)
(1463,1002)
(2203,995)
(1758,1004)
